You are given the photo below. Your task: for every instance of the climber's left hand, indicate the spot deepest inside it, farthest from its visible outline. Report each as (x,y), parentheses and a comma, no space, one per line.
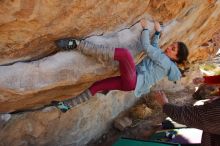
(144,23)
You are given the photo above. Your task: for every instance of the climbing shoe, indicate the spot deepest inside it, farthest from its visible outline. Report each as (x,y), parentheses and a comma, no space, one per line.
(67,43)
(72,102)
(61,106)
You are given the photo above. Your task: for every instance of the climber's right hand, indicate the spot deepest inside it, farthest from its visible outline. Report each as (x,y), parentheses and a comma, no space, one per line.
(157,26)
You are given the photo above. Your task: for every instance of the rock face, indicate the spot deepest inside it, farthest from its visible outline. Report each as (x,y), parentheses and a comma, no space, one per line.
(78,126)
(60,76)
(28,30)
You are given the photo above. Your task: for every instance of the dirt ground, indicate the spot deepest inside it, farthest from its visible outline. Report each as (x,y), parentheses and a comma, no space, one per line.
(143,127)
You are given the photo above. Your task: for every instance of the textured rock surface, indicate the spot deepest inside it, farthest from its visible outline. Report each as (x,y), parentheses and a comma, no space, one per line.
(59,76)
(78,126)
(28,28)
(27,31)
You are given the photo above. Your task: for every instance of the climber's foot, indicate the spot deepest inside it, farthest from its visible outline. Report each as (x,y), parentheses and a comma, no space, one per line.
(72,102)
(61,106)
(67,43)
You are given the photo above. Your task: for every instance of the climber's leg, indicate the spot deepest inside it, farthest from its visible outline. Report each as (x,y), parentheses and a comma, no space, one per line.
(69,103)
(98,51)
(87,48)
(126,81)
(127,68)
(108,84)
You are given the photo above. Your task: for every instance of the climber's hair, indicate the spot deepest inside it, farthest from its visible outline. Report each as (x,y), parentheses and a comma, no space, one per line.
(182,53)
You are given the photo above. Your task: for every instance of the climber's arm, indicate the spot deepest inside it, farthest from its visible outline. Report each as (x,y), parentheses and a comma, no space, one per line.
(156,37)
(155,40)
(152,52)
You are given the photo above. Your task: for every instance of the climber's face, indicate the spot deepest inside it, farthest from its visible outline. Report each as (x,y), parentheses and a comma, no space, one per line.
(172,51)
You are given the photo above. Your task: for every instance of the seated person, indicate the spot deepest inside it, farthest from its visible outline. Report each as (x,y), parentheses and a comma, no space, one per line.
(204,117)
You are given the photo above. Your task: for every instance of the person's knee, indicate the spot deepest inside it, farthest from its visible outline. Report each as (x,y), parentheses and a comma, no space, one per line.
(129,85)
(123,53)
(129,88)
(126,52)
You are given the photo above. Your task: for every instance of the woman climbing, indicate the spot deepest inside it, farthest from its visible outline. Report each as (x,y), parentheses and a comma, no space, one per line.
(139,78)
